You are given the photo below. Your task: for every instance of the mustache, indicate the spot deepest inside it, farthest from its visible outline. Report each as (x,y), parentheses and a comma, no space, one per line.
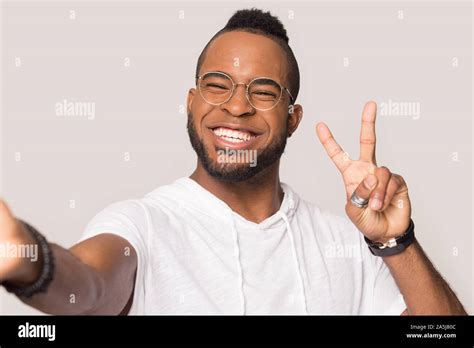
(232,172)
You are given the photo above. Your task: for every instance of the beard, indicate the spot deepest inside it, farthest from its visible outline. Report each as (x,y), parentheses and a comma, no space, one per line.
(235,172)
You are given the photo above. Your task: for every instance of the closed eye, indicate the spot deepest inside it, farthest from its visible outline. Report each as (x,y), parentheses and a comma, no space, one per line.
(213,85)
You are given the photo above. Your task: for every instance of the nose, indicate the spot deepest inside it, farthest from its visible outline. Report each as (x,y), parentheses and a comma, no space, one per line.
(238,104)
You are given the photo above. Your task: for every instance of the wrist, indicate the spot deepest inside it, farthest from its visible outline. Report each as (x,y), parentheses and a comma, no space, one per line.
(393,245)
(36,277)
(29,259)
(408,250)
(28,271)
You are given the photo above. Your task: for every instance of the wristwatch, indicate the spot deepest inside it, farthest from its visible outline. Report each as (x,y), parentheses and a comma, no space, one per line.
(395,245)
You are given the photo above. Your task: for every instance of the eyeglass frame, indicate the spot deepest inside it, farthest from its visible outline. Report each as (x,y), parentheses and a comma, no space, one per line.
(234,85)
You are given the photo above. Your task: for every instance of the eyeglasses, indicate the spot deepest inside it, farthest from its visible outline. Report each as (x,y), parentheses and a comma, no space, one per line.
(263,93)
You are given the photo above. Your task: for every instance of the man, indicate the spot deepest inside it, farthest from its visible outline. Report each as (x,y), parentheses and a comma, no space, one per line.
(231,238)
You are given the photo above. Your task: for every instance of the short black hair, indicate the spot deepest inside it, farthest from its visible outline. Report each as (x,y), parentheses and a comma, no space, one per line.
(263,23)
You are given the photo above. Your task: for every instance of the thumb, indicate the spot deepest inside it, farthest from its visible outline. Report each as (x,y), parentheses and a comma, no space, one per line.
(8,222)
(5,211)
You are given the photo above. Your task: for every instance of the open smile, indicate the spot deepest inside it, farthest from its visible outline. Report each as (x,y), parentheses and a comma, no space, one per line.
(234,136)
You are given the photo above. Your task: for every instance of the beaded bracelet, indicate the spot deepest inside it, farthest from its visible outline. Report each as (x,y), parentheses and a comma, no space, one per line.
(47,271)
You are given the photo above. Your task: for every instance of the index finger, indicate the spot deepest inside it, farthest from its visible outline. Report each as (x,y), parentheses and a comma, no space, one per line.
(367,133)
(333,149)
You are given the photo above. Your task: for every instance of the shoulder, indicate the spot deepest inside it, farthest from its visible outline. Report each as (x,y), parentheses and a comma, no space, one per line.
(164,197)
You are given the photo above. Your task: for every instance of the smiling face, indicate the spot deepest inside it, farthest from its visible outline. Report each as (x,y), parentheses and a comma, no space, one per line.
(236,127)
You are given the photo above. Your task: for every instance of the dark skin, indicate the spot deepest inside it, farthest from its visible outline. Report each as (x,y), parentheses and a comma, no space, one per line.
(256,200)
(100,271)
(258,56)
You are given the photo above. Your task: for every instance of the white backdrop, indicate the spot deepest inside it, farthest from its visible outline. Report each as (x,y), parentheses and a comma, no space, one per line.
(126,67)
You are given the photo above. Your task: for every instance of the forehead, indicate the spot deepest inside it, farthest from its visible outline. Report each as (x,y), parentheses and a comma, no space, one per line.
(245,56)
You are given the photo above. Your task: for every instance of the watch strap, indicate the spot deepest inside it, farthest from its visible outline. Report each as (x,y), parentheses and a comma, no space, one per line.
(394,245)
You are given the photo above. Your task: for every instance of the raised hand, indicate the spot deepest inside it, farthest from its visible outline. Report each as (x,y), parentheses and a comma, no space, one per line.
(388,212)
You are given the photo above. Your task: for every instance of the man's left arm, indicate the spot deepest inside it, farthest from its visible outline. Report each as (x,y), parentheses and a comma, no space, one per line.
(378,204)
(424,290)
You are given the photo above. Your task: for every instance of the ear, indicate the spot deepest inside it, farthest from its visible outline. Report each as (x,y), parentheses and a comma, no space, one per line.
(189,101)
(295,114)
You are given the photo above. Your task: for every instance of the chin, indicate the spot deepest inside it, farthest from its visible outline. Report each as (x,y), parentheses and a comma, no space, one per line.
(228,172)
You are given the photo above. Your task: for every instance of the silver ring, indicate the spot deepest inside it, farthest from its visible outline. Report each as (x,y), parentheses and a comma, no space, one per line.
(359,202)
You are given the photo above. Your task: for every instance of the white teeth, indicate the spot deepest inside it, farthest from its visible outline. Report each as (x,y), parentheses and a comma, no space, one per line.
(233,140)
(232,135)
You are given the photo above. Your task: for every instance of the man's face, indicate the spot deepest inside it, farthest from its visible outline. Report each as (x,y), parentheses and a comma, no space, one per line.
(234,141)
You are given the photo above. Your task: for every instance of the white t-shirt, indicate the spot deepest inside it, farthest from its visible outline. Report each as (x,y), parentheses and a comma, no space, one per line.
(197,256)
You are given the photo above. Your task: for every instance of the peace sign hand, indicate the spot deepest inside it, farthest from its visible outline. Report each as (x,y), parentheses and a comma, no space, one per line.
(388,212)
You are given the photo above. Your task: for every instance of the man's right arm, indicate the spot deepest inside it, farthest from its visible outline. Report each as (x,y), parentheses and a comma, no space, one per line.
(95,276)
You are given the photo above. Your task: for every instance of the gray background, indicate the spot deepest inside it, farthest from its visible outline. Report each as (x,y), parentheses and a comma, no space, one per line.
(58,171)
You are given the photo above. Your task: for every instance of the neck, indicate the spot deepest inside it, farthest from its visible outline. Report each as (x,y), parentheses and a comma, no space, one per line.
(255,199)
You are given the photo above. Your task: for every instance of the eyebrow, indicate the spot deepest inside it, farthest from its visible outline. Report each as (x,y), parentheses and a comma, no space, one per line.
(262,80)
(214,72)
(266,81)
